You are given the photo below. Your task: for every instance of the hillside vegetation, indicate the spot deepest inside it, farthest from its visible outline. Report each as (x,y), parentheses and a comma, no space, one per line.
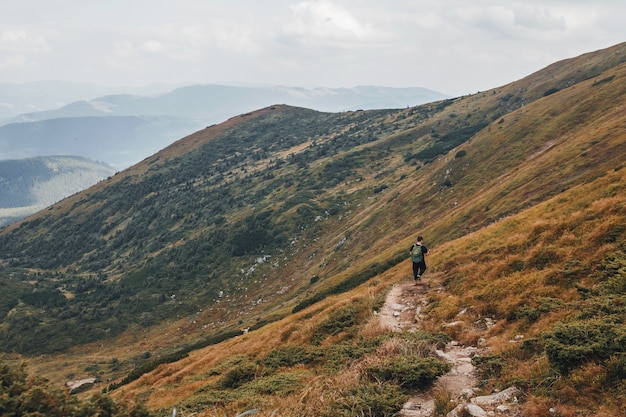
(293,224)
(32,184)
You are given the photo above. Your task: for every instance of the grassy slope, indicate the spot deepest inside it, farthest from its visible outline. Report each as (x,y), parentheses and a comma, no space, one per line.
(567,147)
(523,270)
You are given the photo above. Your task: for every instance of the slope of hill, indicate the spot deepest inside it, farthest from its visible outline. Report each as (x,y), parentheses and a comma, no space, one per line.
(293,224)
(32,184)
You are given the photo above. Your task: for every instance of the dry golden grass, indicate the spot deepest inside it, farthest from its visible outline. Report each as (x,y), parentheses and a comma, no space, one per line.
(170,383)
(519,258)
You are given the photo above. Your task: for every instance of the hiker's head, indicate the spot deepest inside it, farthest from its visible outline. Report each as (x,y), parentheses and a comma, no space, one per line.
(419,239)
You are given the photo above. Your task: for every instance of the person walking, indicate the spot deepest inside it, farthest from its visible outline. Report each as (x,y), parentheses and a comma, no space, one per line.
(418,255)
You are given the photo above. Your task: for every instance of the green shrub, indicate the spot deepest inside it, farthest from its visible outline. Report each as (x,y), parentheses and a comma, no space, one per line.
(570,345)
(341,320)
(524,312)
(337,355)
(616,368)
(532,314)
(369,400)
(205,400)
(517,265)
(543,258)
(488,366)
(408,371)
(238,374)
(380,188)
(603,80)
(21,395)
(531,346)
(551,91)
(287,356)
(281,384)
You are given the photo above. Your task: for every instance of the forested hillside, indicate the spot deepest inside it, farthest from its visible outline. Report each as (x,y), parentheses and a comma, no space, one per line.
(292,224)
(32,184)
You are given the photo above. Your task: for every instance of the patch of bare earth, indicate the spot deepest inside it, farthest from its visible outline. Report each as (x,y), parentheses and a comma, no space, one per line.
(401,312)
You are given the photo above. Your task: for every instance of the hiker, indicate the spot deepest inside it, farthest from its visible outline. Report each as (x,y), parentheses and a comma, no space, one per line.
(418,255)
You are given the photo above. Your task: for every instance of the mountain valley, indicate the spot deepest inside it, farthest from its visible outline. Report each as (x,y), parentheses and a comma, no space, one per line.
(244,266)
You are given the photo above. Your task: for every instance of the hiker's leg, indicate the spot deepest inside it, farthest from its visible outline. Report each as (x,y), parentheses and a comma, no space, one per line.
(415,270)
(421,268)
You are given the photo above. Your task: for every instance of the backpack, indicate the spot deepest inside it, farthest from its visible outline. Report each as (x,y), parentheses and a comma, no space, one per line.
(416,254)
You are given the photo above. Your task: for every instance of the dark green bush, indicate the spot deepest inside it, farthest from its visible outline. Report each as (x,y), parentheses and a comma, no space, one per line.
(281,384)
(287,356)
(21,395)
(616,368)
(604,80)
(543,258)
(531,345)
(238,374)
(380,188)
(460,154)
(527,312)
(204,400)
(551,91)
(337,322)
(488,366)
(517,265)
(337,355)
(408,371)
(570,345)
(374,400)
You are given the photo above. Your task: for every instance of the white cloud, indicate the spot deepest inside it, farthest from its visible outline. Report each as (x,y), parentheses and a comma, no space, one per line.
(450,45)
(124,49)
(13,61)
(325,22)
(17,44)
(22,40)
(539,18)
(234,37)
(152,46)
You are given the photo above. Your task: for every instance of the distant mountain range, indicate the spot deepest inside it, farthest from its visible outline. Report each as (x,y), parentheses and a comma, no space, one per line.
(31,184)
(16,99)
(122,129)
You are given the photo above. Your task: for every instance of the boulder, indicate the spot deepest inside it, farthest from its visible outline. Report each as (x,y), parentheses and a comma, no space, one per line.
(509,395)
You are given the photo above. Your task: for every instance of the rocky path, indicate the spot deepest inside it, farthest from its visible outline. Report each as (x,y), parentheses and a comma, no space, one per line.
(401,312)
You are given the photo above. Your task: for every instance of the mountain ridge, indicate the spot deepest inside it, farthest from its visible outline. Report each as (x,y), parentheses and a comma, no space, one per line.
(204,100)
(135,126)
(293,223)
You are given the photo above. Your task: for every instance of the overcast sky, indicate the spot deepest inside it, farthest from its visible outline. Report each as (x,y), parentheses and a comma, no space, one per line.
(452,46)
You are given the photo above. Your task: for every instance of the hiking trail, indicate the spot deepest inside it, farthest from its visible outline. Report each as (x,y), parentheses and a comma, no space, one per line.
(401,312)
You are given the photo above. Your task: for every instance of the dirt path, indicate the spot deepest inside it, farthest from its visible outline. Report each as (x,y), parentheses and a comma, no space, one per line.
(400,312)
